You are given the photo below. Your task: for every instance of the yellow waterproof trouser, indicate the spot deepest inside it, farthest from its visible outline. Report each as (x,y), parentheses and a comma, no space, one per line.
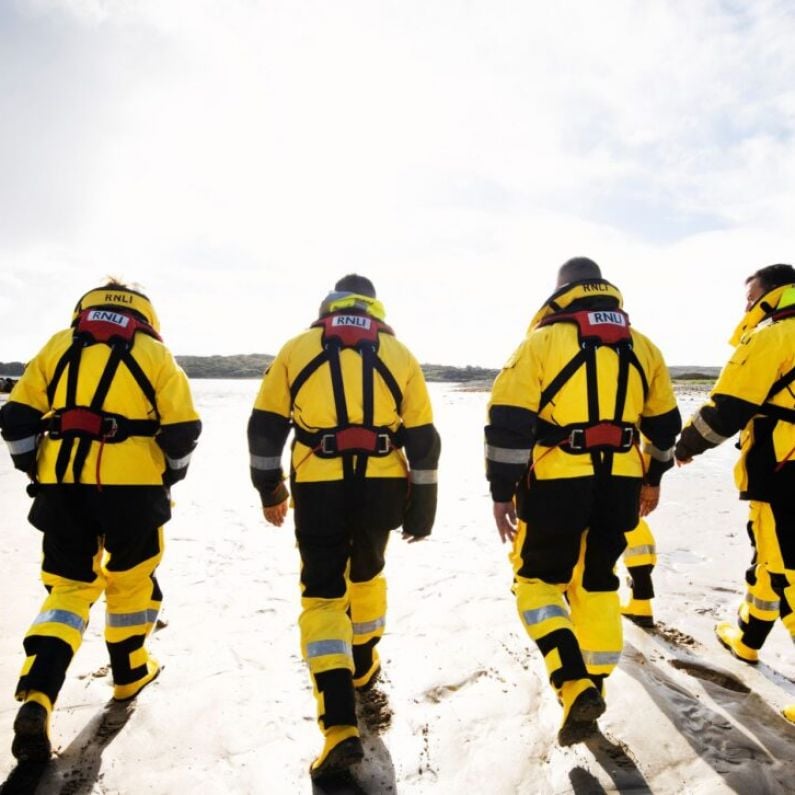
(332,630)
(641,550)
(770,586)
(133,600)
(583,638)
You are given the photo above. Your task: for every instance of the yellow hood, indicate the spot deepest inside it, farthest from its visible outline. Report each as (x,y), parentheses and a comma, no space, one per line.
(335,301)
(777,298)
(569,293)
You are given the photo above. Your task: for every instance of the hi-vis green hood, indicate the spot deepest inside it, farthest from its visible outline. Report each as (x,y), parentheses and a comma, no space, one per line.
(574,291)
(338,300)
(777,298)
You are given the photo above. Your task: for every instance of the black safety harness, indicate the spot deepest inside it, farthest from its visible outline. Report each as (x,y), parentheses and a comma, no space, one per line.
(595,328)
(87,424)
(347,440)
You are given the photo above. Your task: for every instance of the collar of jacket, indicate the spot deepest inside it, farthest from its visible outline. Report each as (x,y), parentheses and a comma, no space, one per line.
(563,298)
(777,298)
(338,301)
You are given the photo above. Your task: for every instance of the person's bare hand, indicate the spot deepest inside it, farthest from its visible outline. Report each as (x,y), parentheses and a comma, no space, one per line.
(410,539)
(505,519)
(275,514)
(649,497)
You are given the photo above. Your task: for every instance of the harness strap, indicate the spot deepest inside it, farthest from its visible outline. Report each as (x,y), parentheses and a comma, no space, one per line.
(87,424)
(348,441)
(72,356)
(84,445)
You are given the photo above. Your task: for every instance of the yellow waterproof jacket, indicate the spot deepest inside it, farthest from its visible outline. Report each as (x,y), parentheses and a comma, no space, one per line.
(523,430)
(138,460)
(754,395)
(313,407)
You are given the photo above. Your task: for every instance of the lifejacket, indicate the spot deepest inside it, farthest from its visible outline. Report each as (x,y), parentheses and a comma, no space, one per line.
(86,424)
(357,331)
(595,327)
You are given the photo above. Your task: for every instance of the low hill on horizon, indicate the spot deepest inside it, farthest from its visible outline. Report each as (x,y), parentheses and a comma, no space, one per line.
(253,365)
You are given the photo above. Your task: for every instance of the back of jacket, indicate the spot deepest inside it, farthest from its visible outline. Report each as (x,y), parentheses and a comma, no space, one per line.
(138,460)
(524,432)
(313,406)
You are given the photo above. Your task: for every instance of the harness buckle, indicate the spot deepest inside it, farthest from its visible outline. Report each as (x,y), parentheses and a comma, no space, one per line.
(113,428)
(576,439)
(383,443)
(627,437)
(328,443)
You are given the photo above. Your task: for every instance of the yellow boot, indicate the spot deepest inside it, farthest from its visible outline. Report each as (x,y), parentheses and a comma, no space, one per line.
(364,682)
(31,741)
(130,691)
(582,705)
(730,636)
(789,713)
(639,612)
(341,749)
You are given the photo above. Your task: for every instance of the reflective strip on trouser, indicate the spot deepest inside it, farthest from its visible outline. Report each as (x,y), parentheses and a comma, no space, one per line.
(584,638)
(640,550)
(327,647)
(57,631)
(326,634)
(133,600)
(368,608)
(597,622)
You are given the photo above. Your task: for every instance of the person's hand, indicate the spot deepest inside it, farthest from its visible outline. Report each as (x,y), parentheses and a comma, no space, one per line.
(412,539)
(505,519)
(649,497)
(275,514)
(680,462)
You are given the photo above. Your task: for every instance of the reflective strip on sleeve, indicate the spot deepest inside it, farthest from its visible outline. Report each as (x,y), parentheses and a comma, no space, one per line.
(266,462)
(703,427)
(641,549)
(366,627)
(141,618)
(65,617)
(322,648)
(178,463)
(507,455)
(657,454)
(20,446)
(601,657)
(423,477)
(761,604)
(543,613)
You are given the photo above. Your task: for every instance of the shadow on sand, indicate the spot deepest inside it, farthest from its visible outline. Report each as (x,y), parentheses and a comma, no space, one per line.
(75,770)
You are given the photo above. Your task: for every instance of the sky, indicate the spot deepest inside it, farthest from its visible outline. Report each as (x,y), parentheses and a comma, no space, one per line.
(236,158)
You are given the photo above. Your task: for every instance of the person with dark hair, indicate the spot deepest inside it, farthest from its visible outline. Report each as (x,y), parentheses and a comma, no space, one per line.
(754,395)
(103,423)
(566,417)
(364,459)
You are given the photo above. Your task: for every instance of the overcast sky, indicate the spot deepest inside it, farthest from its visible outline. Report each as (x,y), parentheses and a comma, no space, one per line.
(236,157)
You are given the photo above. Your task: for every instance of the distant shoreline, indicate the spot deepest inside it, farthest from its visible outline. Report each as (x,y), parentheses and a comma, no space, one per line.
(253,365)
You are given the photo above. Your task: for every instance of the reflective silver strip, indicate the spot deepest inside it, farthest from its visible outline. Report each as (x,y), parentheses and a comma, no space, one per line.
(61,617)
(761,604)
(657,454)
(507,455)
(321,648)
(701,425)
(20,446)
(423,477)
(601,657)
(140,618)
(266,462)
(366,627)
(179,463)
(543,613)
(641,549)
